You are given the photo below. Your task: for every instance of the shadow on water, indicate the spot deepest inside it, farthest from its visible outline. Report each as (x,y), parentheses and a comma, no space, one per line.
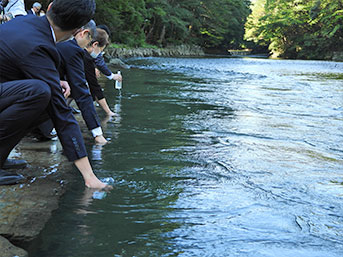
(212,157)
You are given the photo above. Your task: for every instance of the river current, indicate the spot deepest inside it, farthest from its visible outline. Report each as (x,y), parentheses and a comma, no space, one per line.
(212,157)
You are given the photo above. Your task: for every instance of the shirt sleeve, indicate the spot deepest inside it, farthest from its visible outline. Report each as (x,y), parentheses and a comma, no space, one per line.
(97,132)
(110,77)
(41,64)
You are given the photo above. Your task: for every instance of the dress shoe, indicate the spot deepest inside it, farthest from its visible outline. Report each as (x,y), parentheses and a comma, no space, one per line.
(14,164)
(7,178)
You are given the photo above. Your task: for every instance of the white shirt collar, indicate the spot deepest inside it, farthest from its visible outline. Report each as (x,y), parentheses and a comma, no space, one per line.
(53,33)
(33,12)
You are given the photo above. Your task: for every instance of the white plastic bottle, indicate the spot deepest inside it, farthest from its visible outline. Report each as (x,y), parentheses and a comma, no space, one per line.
(118,84)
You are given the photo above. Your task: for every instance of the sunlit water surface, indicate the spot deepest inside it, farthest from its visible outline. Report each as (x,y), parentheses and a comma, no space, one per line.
(212,157)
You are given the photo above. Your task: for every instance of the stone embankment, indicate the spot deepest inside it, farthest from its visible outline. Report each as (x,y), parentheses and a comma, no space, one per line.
(175,51)
(337,56)
(26,208)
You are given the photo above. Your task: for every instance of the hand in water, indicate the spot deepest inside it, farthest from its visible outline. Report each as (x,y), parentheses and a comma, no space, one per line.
(100,140)
(110,113)
(95,183)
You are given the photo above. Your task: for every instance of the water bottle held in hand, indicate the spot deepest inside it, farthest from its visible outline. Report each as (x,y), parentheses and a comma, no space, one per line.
(118,84)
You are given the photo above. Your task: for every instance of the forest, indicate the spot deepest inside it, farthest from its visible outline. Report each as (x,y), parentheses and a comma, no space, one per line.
(298,29)
(304,29)
(207,23)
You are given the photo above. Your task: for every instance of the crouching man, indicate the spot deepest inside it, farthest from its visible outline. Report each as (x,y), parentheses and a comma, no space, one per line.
(30,90)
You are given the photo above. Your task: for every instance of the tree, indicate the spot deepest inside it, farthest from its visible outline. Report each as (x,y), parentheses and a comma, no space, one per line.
(308,29)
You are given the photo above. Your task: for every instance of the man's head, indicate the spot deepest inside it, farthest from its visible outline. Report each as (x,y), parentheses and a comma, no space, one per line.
(36,7)
(3,3)
(86,34)
(104,27)
(98,43)
(70,15)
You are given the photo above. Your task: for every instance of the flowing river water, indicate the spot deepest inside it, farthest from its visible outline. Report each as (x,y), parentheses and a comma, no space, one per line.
(212,157)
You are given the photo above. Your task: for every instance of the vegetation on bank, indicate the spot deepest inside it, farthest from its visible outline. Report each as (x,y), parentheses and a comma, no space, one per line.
(207,23)
(304,29)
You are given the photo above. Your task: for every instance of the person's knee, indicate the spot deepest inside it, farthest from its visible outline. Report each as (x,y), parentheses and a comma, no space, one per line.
(42,90)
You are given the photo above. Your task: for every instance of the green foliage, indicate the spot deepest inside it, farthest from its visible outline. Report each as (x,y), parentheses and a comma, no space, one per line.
(209,23)
(309,29)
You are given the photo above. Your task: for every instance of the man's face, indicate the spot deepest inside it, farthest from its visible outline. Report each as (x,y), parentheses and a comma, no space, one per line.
(83,38)
(36,9)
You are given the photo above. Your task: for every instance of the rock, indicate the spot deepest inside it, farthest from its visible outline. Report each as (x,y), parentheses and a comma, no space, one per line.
(116,62)
(25,208)
(9,250)
(170,51)
(336,56)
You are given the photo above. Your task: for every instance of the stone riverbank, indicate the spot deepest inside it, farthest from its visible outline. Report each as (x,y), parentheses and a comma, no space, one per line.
(26,208)
(172,51)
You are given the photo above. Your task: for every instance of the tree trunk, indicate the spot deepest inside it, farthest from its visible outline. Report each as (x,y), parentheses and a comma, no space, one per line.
(163,33)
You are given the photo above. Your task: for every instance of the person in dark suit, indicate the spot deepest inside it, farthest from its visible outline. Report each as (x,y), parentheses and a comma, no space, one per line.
(72,69)
(35,9)
(92,52)
(30,88)
(100,62)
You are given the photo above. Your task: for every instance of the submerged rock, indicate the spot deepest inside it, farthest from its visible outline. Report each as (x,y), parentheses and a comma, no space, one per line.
(9,250)
(116,62)
(25,208)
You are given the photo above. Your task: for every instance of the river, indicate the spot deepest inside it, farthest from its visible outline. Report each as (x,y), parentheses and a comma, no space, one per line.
(212,157)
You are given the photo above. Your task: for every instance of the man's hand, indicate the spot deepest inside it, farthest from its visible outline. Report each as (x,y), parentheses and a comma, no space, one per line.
(100,140)
(65,88)
(91,181)
(117,77)
(97,73)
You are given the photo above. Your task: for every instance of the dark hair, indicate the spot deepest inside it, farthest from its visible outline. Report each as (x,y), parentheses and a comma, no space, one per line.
(101,38)
(3,4)
(69,15)
(104,27)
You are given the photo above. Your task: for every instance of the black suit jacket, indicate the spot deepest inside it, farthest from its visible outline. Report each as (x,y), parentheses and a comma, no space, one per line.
(73,70)
(101,65)
(28,51)
(94,87)
(29,12)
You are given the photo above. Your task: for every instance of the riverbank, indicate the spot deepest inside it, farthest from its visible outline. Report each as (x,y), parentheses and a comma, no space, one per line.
(26,208)
(172,51)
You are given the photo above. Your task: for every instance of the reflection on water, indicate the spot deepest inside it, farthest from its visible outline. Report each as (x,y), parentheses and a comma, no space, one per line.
(213,157)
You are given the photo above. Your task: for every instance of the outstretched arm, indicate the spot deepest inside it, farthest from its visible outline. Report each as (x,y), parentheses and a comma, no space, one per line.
(89,177)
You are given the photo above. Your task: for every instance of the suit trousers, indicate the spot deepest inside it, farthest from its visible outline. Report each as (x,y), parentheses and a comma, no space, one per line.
(21,104)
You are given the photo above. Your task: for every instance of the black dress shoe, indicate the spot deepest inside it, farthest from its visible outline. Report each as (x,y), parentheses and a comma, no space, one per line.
(9,178)
(14,164)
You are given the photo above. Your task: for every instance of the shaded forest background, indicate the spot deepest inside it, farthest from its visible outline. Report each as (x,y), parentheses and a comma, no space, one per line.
(207,23)
(304,29)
